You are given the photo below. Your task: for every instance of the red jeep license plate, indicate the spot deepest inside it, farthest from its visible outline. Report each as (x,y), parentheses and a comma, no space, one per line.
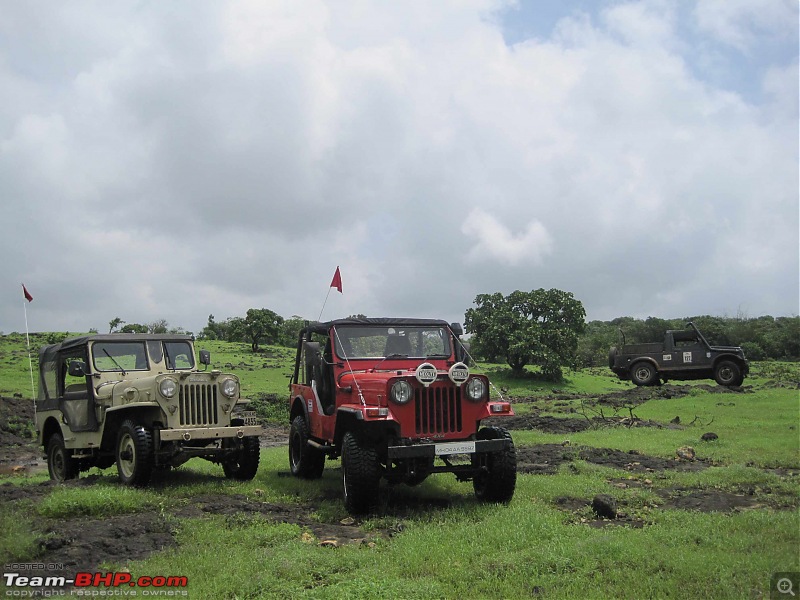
(454,448)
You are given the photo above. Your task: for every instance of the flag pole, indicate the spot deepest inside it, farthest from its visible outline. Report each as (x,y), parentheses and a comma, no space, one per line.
(319,318)
(28,344)
(336,282)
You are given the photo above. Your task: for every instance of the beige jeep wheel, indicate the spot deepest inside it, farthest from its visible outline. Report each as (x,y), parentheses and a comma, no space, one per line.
(134,454)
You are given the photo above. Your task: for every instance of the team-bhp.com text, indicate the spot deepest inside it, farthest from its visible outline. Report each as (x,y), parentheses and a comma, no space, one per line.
(94,584)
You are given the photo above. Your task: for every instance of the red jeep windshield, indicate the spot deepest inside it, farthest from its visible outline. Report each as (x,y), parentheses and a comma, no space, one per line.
(379,342)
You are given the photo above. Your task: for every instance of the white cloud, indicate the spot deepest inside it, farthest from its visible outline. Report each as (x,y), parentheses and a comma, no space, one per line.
(740,23)
(494,242)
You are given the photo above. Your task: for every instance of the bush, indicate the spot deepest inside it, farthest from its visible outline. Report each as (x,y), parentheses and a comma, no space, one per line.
(270,408)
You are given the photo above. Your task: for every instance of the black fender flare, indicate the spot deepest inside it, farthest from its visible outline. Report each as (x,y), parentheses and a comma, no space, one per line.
(731,357)
(298,408)
(646,359)
(50,426)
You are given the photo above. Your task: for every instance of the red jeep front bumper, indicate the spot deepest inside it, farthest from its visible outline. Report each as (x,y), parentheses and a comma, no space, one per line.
(447,448)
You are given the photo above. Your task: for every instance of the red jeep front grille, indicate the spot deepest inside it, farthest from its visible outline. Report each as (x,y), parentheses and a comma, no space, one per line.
(198,404)
(437,409)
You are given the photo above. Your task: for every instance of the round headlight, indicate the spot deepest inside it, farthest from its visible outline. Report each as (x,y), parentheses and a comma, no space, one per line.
(168,387)
(476,389)
(401,392)
(230,387)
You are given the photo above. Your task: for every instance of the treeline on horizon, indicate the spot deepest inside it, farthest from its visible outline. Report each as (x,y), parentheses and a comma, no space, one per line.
(762,338)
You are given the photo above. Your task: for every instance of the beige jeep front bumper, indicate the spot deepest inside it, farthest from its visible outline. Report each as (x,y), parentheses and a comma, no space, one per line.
(205,433)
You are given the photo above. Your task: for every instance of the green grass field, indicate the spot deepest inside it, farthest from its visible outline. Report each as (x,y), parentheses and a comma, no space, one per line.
(436,541)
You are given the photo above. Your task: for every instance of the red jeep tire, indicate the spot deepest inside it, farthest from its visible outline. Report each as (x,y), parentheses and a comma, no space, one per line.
(304,461)
(497,484)
(361,474)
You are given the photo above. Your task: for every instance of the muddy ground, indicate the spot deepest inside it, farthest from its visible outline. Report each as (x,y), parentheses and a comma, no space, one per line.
(615,409)
(82,544)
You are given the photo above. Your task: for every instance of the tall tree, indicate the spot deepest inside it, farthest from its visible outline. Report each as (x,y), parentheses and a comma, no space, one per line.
(114,323)
(290,329)
(262,325)
(158,326)
(540,327)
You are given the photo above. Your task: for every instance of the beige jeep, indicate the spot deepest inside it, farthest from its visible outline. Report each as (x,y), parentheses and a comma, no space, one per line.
(140,401)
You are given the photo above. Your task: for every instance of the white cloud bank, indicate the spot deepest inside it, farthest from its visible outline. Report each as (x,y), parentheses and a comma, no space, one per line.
(178,160)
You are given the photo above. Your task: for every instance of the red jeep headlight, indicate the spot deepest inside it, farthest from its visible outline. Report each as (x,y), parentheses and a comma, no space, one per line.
(476,389)
(401,392)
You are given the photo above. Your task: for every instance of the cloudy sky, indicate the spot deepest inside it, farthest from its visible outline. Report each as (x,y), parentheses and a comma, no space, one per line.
(171,160)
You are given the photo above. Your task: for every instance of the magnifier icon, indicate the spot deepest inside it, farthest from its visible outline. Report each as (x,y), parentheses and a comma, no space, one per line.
(784,586)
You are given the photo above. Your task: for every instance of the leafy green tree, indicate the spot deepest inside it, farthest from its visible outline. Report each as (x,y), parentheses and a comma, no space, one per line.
(594,344)
(134,328)
(159,326)
(114,323)
(261,325)
(216,331)
(540,327)
(290,329)
(209,332)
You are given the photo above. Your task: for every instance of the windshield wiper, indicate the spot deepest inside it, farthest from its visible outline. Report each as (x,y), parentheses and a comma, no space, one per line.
(372,370)
(119,366)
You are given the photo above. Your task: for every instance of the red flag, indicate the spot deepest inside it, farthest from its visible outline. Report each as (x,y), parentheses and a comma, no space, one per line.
(337,280)
(29,298)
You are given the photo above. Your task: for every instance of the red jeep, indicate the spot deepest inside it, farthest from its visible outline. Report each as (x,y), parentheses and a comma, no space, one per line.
(390,396)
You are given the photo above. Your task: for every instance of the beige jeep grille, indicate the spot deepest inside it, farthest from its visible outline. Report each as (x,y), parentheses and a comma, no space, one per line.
(198,404)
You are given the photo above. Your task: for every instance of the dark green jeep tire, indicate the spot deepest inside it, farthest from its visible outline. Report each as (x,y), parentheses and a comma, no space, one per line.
(728,373)
(644,373)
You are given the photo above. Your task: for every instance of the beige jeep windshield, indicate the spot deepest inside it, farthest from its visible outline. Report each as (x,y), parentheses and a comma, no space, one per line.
(119,356)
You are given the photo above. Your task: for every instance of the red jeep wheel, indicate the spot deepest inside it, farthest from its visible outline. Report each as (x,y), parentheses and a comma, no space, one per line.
(360,474)
(304,461)
(498,482)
